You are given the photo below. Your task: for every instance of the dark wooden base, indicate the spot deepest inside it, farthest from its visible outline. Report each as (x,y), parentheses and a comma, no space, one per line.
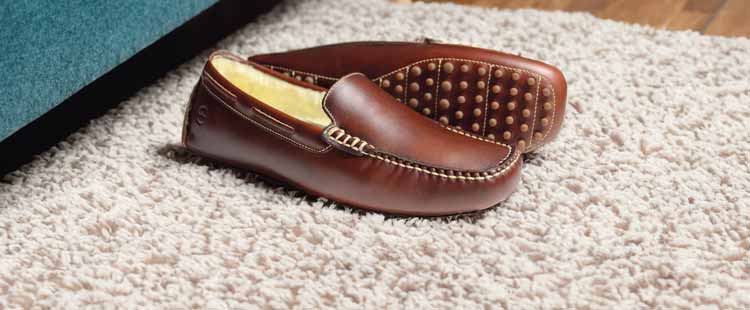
(180,45)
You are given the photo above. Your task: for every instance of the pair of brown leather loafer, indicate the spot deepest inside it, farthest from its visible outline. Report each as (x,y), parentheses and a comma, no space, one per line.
(402,128)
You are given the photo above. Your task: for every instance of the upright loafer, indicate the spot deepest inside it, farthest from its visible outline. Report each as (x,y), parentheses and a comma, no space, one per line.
(353,144)
(499,96)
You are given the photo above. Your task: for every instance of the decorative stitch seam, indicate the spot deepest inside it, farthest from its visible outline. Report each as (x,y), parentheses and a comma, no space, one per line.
(357,144)
(477,176)
(554,109)
(437,87)
(401,68)
(406,84)
(486,99)
(452,174)
(533,118)
(264,127)
(456,59)
(330,90)
(461,132)
(211,78)
(273,119)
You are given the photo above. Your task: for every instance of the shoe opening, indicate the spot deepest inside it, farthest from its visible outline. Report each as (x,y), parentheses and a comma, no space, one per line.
(302,103)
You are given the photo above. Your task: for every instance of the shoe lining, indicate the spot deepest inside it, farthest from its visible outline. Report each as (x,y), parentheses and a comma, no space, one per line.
(296,101)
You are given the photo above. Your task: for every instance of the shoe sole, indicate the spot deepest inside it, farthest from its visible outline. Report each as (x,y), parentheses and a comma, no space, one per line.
(498,102)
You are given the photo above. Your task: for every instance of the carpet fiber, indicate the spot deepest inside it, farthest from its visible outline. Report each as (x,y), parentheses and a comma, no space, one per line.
(642,201)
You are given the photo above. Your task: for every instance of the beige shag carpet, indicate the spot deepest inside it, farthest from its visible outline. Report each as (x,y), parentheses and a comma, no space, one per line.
(642,202)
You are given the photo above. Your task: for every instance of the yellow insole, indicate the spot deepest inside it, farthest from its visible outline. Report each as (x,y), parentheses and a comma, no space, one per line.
(301,103)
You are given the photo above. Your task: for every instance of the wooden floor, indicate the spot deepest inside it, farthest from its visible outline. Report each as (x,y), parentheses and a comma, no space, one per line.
(714,17)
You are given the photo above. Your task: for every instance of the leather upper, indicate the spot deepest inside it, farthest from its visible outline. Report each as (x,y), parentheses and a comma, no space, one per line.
(381,61)
(354,102)
(409,165)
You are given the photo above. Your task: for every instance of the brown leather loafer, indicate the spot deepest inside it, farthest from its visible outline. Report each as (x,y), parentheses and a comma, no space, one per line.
(502,97)
(353,144)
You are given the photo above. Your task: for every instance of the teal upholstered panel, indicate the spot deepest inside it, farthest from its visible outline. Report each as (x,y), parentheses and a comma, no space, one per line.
(50,49)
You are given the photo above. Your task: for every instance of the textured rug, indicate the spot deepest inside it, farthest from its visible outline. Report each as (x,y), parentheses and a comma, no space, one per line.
(642,202)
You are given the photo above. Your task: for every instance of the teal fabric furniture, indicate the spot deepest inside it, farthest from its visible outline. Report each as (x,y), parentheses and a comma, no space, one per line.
(51,49)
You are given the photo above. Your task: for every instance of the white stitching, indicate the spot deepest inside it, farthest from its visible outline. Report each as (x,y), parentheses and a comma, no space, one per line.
(457,59)
(406,84)
(554,110)
(486,99)
(272,67)
(461,132)
(418,169)
(330,90)
(213,80)
(497,173)
(357,144)
(437,87)
(536,109)
(273,119)
(323,150)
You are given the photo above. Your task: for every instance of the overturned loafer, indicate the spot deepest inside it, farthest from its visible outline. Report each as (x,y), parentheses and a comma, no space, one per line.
(499,96)
(353,144)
